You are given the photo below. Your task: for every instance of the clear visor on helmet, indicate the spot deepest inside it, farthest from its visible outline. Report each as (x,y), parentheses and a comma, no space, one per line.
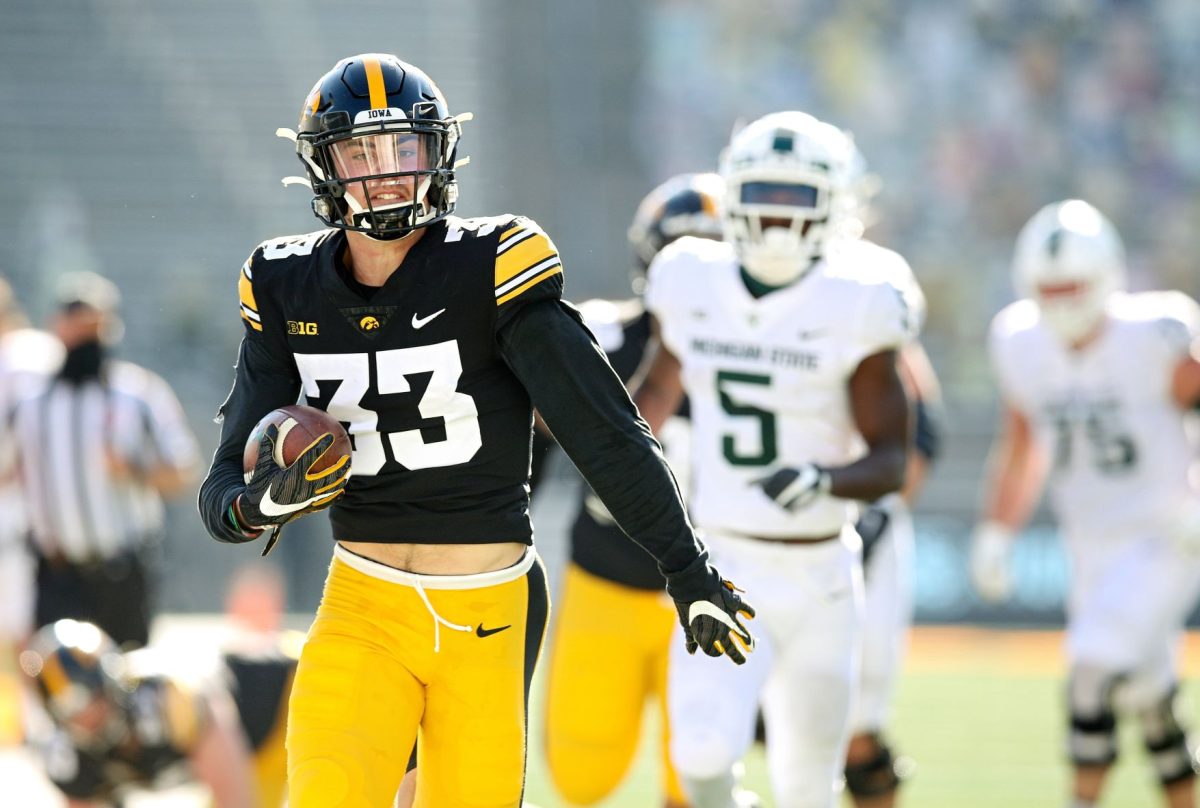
(383,154)
(784,194)
(384,175)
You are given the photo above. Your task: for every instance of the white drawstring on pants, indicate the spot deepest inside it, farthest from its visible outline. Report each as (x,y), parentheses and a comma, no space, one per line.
(422,582)
(438,620)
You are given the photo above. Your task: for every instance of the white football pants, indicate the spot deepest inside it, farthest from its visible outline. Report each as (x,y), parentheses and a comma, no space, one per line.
(803,671)
(1128,602)
(888,580)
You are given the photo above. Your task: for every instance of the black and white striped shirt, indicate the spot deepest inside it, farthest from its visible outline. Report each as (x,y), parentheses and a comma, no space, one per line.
(63,439)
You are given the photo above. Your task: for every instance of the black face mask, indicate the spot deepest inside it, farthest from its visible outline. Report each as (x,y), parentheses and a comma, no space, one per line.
(84,362)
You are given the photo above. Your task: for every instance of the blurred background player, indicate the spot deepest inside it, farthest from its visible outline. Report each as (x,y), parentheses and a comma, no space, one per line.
(613,593)
(121,723)
(96,450)
(873,771)
(784,339)
(1095,385)
(27,359)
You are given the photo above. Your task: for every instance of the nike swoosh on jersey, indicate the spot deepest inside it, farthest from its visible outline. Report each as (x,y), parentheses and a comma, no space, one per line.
(421,322)
(270,507)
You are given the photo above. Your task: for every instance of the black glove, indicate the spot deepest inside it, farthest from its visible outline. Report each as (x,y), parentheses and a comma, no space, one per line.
(711,611)
(795,488)
(873,521)
(276,495)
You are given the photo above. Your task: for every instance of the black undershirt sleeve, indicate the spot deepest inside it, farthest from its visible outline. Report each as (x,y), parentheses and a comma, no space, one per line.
(586,406)
(260,385)
(927,438)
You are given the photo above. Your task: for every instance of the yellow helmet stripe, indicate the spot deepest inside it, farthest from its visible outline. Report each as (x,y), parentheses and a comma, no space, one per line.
(375,83)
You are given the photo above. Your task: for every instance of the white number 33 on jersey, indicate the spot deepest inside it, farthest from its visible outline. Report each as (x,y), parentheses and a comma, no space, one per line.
(440,400)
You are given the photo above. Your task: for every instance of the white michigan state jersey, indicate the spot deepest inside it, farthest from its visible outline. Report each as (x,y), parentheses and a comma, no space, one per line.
(767,377)
(1120,452)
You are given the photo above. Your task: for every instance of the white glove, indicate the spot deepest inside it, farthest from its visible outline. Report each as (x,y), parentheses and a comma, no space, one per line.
(991,554)
(1184,528)
(794,489)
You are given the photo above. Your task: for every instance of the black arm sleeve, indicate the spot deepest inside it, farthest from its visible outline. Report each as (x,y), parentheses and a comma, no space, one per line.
(927,438)
(261,383)
(589,411)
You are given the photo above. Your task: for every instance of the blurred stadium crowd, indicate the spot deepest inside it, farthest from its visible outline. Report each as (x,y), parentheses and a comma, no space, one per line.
(145,150)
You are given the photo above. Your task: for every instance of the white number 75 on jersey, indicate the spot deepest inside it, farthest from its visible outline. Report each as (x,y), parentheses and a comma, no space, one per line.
(441,400)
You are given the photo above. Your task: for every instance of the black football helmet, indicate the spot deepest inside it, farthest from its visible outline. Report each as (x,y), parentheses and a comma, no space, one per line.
(379,146)
(684,205)
(73,664)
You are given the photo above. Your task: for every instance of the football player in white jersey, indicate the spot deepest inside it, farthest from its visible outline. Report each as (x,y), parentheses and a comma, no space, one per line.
(1095,386)
(786,349)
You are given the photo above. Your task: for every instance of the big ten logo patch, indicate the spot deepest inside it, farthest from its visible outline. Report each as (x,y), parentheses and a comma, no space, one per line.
(301,328)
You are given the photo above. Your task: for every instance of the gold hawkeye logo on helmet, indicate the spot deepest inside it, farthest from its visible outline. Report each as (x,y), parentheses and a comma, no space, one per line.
(368,323)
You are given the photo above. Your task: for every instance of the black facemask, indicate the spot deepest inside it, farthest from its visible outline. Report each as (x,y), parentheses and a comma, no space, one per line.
(84,362)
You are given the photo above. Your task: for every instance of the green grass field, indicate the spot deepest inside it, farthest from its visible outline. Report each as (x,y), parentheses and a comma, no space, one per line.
(981,714)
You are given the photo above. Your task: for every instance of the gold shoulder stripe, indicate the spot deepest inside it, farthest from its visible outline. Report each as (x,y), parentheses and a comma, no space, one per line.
(247,303)
(508,244)
(520,254)
(507,234)
(552,271)
(246,291)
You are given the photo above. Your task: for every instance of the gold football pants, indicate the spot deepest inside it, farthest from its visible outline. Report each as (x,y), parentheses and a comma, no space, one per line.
(391,652)
(608,657)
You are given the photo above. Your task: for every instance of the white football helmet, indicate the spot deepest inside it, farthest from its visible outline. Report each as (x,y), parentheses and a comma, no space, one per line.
(1069,259)
(792,188)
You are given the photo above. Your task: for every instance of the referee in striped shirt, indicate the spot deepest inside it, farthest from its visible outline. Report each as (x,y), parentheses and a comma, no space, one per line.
(95,452)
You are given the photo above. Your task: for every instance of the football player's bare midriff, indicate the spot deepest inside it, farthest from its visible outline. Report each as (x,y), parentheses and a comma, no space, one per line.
(440,559)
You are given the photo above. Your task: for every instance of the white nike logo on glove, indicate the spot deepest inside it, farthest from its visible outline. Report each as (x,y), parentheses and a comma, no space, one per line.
(421,322)
(270,507)
(704,607)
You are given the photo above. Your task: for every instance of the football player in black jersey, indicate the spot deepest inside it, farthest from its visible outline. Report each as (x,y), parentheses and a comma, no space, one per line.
(431,338)
(121,723)
(595,699)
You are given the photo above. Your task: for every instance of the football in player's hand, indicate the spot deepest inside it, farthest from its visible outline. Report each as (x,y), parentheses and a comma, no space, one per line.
(298,427)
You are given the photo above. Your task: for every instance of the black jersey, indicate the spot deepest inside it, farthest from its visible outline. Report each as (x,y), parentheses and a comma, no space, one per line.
(435,375)
(260,681)
(164,720)
(439,425)
(622,329)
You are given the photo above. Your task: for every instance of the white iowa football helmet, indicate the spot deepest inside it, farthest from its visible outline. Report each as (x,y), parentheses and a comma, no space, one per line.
(792,186)
(1069,259)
